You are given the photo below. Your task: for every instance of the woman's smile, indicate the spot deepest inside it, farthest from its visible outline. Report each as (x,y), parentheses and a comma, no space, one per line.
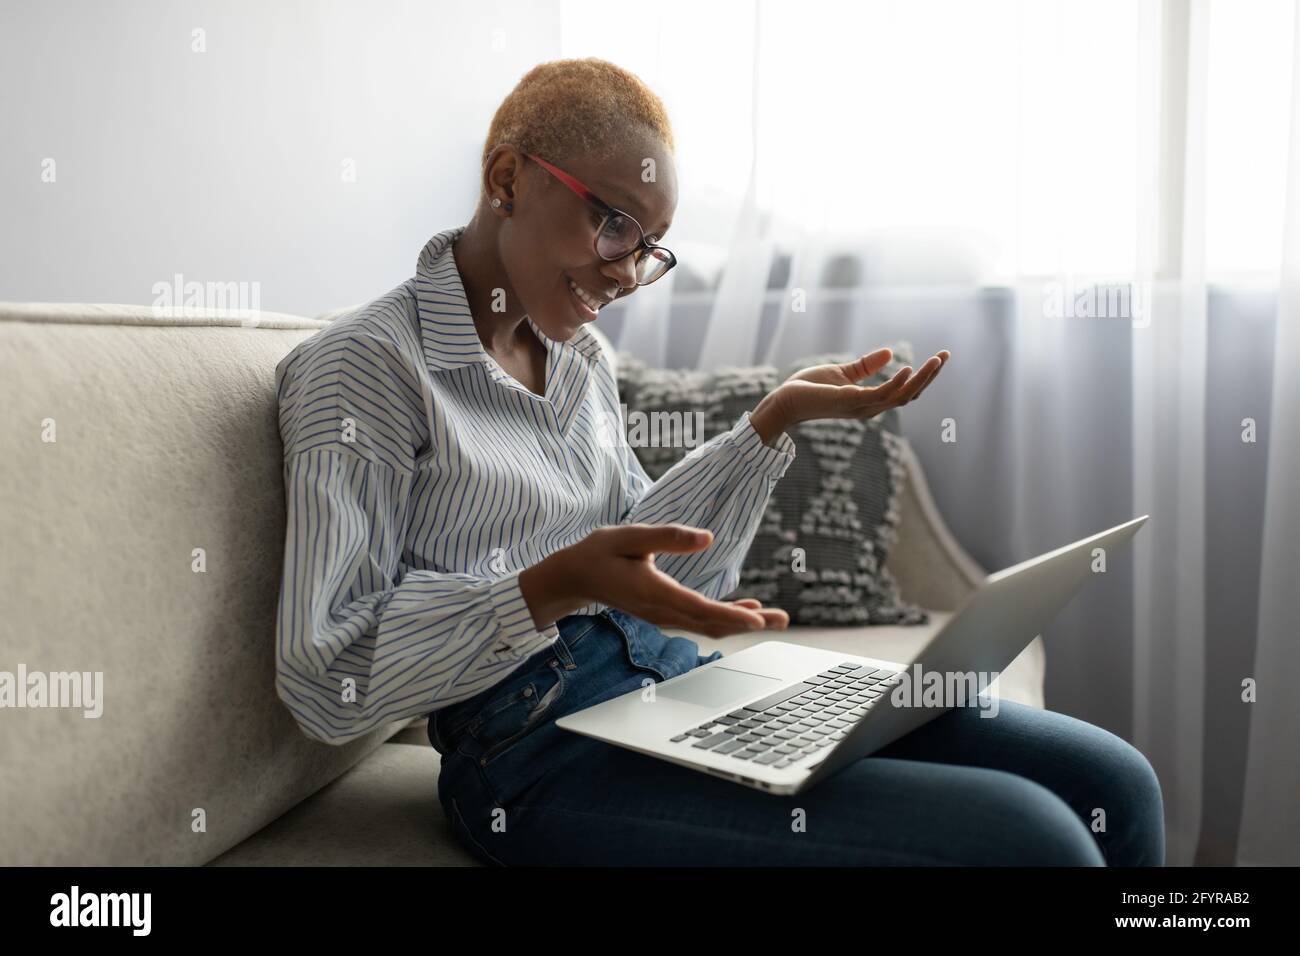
(587,304)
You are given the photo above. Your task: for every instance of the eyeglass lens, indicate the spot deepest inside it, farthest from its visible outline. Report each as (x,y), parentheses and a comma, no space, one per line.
(619,236)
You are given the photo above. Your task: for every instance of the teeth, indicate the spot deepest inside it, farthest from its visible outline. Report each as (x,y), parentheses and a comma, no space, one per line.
(592,303)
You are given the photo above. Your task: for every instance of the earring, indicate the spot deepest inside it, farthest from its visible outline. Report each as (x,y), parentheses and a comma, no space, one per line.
(496,202)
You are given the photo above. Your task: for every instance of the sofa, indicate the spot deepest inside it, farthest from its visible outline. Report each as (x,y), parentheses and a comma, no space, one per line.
(143,530)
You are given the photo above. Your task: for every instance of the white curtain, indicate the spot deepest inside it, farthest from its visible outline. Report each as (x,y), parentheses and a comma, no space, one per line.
(1270,827)
(1168,448)
(1084,202)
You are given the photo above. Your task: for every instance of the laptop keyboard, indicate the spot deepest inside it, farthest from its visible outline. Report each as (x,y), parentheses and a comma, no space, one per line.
(797,721)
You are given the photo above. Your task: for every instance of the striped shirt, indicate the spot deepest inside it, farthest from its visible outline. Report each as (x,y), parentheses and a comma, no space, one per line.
(421,478)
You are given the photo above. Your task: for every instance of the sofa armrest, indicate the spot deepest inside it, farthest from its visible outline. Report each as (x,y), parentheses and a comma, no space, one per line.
(931,568)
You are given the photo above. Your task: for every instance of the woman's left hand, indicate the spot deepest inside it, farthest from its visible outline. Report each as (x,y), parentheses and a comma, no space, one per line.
(832,391)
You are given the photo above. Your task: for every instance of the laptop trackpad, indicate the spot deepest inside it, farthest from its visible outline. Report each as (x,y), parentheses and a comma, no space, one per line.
(716,686)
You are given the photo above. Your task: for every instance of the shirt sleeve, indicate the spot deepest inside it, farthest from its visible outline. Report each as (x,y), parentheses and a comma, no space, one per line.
(723,485)
(363,639)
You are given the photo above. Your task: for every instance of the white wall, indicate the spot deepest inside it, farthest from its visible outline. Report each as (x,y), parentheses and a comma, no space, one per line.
(226,165)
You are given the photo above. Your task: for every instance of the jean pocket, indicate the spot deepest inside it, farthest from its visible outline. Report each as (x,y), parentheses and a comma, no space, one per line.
(517,712)
(650,649)
(642,642)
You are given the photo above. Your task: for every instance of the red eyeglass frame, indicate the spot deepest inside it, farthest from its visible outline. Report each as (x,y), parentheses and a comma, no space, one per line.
(581,190)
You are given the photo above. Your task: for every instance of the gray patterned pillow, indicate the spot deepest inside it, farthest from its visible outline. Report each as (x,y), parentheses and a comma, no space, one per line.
(820,549)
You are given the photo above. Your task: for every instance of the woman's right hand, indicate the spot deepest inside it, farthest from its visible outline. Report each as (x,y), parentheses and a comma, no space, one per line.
(614,566)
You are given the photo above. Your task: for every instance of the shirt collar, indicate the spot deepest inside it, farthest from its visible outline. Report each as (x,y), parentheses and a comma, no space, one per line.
(447,328)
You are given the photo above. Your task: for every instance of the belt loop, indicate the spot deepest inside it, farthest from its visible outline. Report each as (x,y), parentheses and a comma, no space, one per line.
(562,652)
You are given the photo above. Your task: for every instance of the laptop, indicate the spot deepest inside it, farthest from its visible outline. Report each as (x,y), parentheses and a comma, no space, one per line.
(782,717)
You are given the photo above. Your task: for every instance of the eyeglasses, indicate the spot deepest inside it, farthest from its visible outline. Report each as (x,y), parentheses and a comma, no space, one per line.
(619,234)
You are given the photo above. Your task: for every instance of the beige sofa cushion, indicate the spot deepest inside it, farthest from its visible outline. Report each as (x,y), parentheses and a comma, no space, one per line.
(382,812)
(166,442)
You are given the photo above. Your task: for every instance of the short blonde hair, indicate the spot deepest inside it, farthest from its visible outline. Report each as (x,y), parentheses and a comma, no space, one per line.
(568,107)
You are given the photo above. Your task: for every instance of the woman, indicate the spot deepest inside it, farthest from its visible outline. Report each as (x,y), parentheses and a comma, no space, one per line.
(464,542)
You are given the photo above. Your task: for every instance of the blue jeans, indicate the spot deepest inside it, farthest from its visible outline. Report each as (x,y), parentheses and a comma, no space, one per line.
(1025,787)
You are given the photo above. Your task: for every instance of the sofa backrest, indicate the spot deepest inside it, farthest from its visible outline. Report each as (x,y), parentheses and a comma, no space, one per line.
(141,544)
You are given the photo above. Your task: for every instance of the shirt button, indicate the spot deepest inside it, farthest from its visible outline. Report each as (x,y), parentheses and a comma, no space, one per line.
(528,692)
